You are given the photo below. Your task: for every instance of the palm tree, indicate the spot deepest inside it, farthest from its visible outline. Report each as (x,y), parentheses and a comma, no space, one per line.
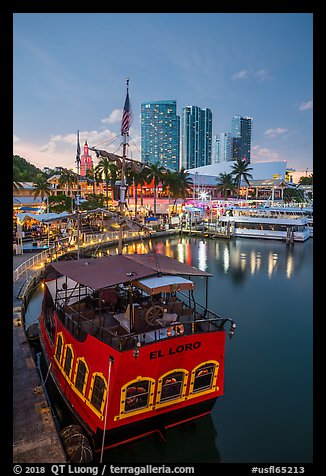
(42,188)
(240,170)
(17,186)
(225,182)
(142,179)
(68,179)
(103,168)
(169,183)
(181,184)
(155,173)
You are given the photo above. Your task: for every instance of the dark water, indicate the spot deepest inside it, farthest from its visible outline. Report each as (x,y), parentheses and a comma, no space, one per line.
(265,414)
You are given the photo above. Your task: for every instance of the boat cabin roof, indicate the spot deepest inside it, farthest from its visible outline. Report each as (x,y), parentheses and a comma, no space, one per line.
(98,273)
(163,284)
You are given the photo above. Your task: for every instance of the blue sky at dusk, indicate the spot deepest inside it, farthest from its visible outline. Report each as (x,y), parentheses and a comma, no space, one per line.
(70,73)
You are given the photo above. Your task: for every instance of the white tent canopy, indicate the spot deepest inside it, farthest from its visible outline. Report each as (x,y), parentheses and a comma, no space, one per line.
(42,217)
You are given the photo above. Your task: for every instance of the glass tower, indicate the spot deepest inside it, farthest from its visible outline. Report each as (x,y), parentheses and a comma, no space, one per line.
(241,131)
(160,133)
(223,148)
(196,137)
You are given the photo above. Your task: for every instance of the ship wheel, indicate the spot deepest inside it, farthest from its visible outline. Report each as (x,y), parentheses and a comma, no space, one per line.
(153,313)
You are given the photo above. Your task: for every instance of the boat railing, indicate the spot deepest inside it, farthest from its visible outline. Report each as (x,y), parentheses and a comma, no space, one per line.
(80,326)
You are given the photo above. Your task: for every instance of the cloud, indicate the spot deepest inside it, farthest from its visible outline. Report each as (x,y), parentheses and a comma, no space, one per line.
(275,132)
(260,74)
(241,74)
(15,139)
(304,106)
(60,150)
(114,117)
(268,155)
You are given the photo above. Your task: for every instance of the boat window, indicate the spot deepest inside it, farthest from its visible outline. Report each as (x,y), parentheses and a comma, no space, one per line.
(81,376)
(68,360)
(171,386)
(97,392)
(59,346)
(137,395)
(203,377)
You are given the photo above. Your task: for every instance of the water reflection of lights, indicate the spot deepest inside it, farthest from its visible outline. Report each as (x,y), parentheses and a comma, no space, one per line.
(181,253)
(272,263)
(202,256)
(289,266)
(253,262)
(226,259)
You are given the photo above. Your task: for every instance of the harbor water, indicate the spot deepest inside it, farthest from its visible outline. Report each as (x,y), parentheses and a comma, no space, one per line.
(265,414)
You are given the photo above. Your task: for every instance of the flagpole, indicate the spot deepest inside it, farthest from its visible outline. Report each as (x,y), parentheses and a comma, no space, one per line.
(77,195)
(124,133)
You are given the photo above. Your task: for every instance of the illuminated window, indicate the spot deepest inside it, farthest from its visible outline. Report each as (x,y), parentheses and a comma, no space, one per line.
(58,351)
(171,386)
(98,389)
(203,378)
(137,395)
(68,361)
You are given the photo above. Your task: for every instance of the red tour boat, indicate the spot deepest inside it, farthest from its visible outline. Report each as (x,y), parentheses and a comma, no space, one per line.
(129,348)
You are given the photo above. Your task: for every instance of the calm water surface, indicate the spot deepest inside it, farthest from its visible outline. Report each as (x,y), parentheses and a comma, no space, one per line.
(265,414)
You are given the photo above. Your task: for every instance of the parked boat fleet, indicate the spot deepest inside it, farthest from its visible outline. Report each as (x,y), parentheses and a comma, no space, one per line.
(279,223)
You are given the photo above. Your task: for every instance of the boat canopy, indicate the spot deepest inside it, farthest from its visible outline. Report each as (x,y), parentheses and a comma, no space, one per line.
(164,284)
(110,270)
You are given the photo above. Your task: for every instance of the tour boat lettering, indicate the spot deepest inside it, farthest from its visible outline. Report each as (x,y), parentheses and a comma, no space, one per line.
(175,350)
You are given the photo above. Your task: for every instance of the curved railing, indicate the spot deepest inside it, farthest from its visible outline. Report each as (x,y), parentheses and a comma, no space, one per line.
(63,246)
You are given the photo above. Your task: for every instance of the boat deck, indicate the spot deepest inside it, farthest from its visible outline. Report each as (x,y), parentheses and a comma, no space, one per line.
(114,328)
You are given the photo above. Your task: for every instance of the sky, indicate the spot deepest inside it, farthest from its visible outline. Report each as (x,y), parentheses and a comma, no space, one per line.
(70,71)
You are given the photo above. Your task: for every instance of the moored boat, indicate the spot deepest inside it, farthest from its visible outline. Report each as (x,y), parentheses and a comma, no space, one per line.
(128,346)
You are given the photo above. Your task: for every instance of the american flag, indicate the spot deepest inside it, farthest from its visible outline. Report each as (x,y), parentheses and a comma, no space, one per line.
(126,116)
(78,148)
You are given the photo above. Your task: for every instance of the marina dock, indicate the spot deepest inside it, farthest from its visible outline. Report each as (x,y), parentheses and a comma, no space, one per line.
(35,437)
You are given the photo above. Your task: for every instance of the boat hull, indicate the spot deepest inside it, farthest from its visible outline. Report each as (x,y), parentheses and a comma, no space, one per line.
(178,354)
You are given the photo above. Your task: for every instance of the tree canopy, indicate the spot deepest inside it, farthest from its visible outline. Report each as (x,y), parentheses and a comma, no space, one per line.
(23,171)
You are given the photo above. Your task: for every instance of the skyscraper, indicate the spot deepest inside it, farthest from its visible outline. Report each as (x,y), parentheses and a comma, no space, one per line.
(160,133)
(241,131)
(223,148)
(196,137)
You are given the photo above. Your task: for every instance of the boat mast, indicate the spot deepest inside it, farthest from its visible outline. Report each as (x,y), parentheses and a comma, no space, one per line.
(78,190)
(124,132)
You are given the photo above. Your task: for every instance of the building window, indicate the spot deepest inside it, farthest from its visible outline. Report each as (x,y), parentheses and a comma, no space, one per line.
(68,360)
(97,392)
(81,376)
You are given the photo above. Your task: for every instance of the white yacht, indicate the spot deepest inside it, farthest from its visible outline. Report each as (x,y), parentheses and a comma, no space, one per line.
(263,225)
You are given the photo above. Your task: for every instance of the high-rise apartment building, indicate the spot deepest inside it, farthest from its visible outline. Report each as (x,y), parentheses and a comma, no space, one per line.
(160,133)
(196,137)
(241,131)
(223,151)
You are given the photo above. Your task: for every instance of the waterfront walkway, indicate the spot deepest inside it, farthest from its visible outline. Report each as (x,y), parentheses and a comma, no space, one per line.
(35,437)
